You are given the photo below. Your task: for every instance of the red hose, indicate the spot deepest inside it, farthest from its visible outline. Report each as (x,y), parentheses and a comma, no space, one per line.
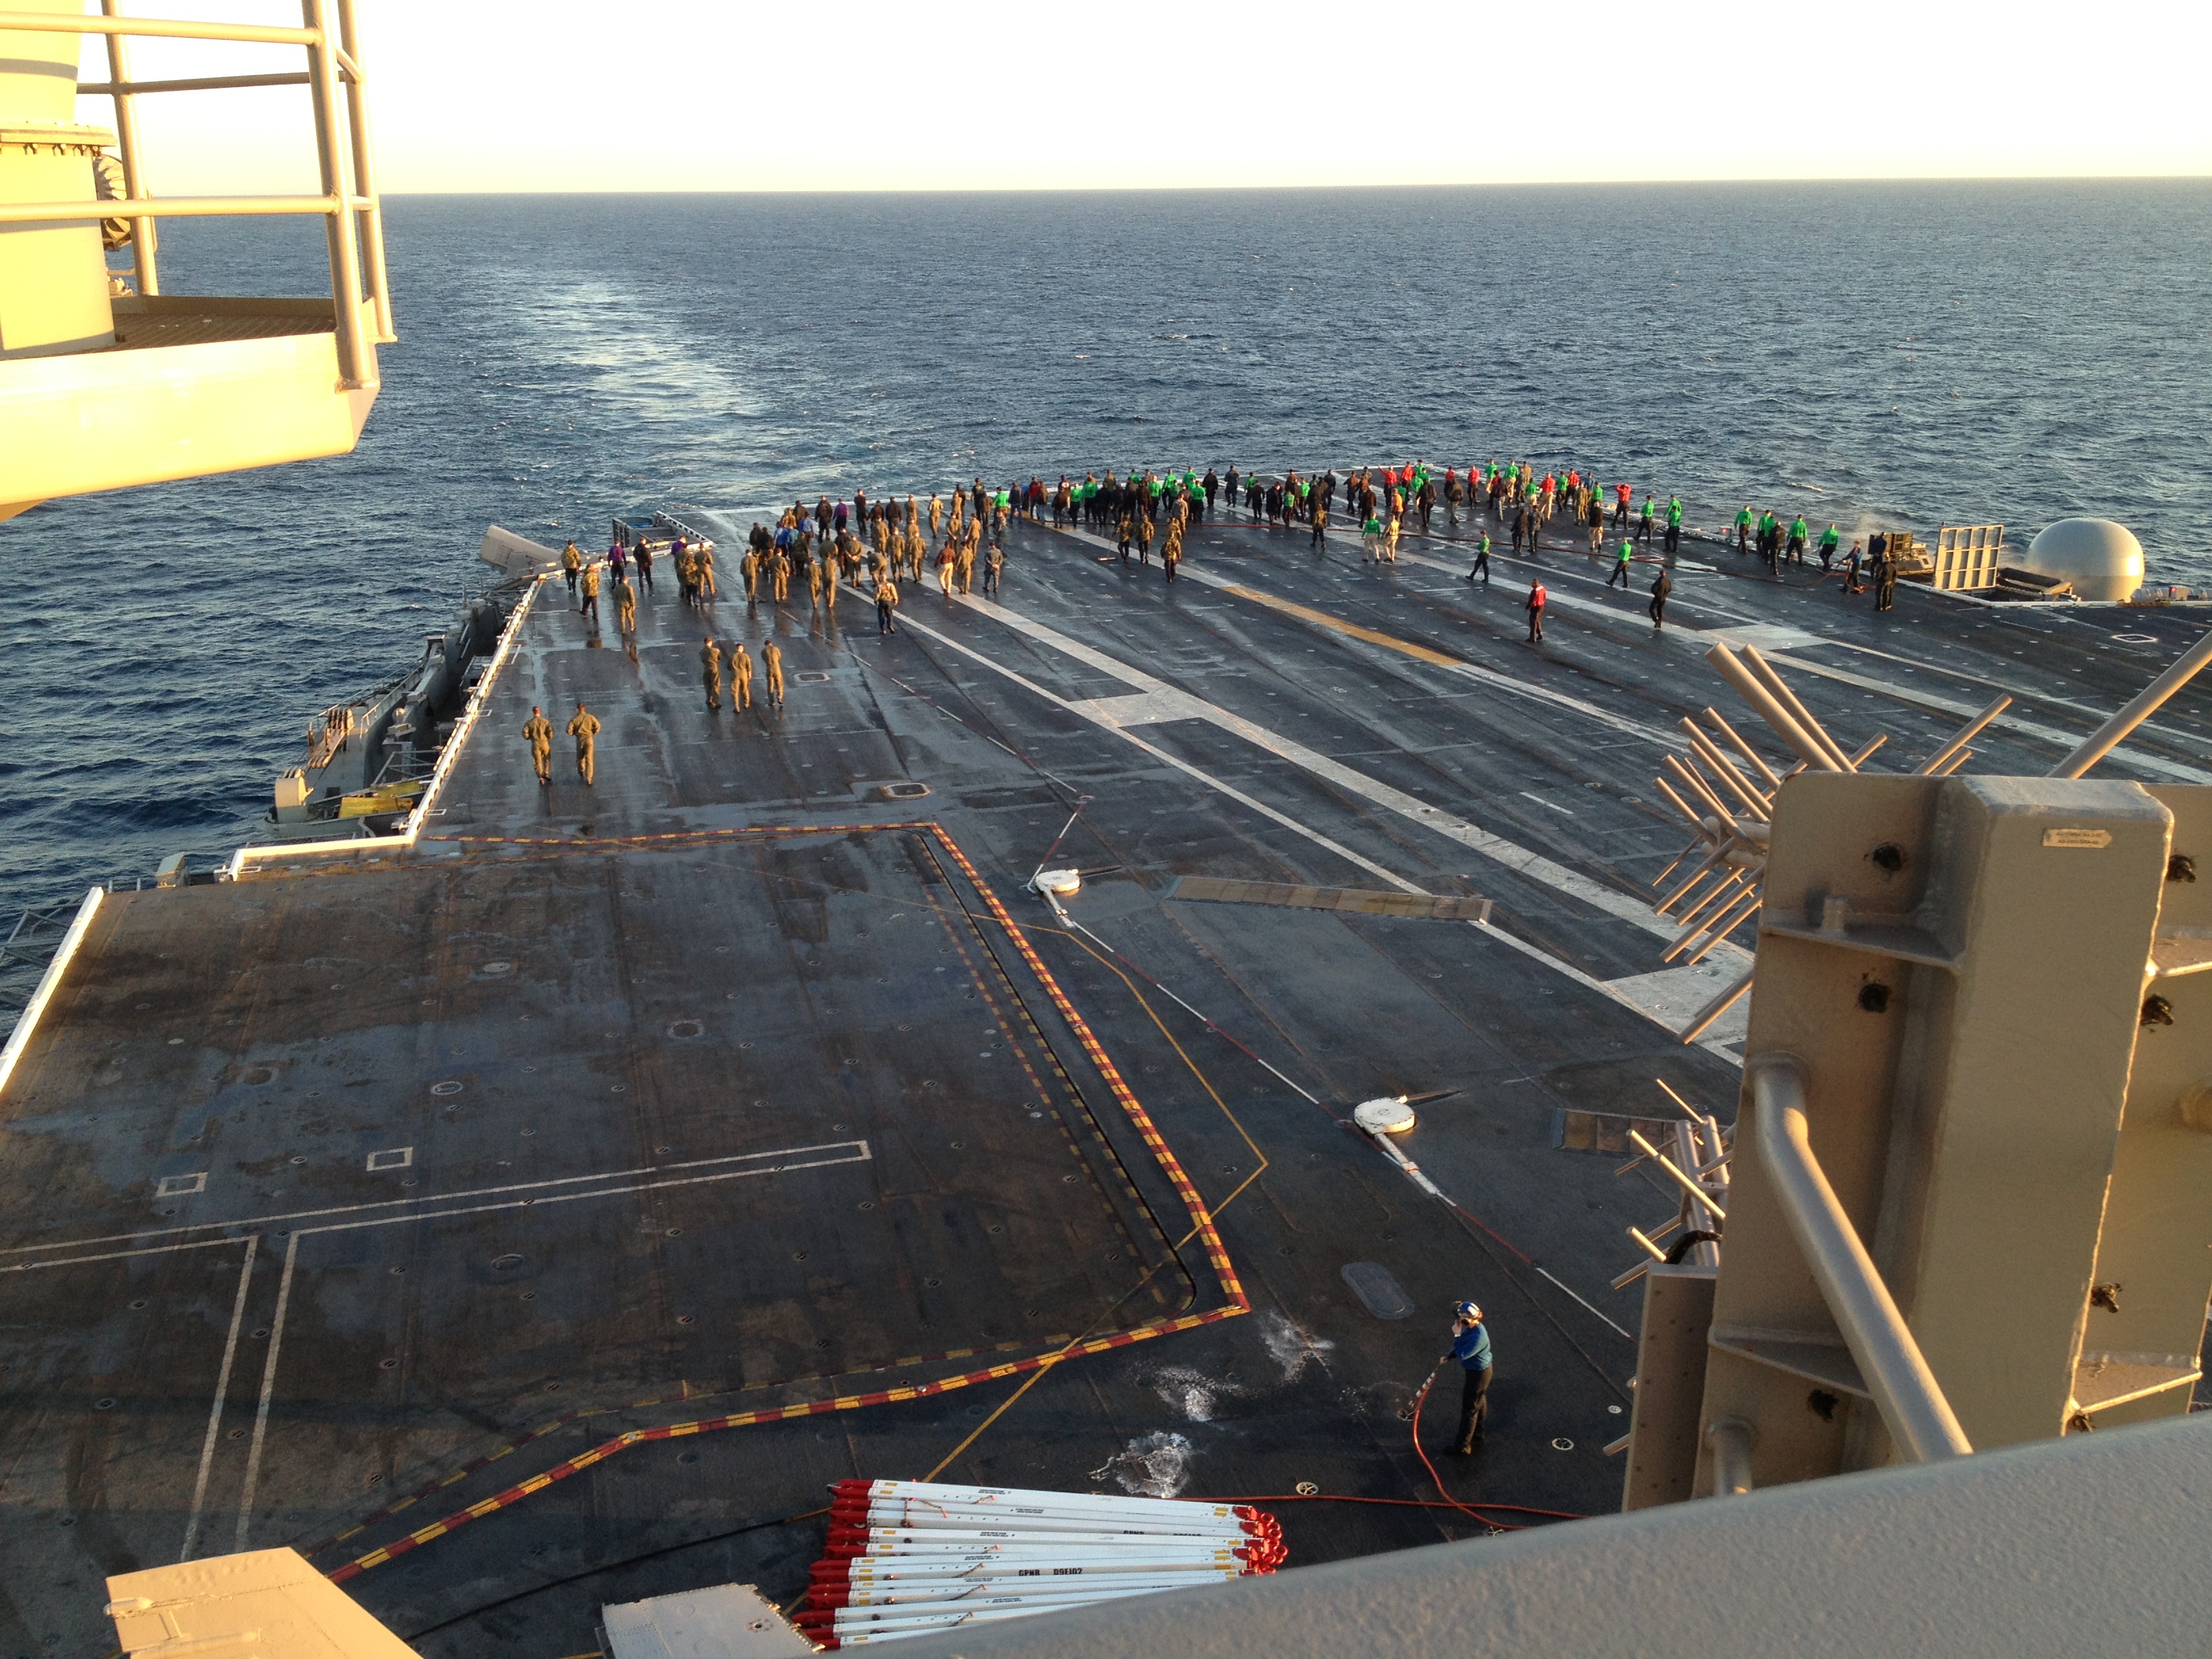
(1395,1503)
(1422,1453)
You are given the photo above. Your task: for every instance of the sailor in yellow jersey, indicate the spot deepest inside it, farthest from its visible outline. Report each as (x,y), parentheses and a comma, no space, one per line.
(584,728)
(772,660)
(710,674)
(572,562)
(539,731)
(625,605)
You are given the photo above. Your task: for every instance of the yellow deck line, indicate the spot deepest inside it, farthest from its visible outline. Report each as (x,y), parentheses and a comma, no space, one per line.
(1322,619)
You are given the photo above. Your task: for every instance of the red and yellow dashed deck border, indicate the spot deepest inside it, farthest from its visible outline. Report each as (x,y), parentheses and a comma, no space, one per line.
(1202,1218)
(507,1448)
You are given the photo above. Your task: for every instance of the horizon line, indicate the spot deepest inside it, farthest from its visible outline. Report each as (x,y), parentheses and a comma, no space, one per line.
(1257,189)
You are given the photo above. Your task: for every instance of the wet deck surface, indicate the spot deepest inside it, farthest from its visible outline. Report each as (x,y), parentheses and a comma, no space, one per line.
(748,1086)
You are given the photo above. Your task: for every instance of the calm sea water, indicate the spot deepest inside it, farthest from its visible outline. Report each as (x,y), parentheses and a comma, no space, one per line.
(1942,352)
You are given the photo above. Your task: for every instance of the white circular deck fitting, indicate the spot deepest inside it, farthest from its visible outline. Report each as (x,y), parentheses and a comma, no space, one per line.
(1062,882)
(2101,559)
(1384,1115)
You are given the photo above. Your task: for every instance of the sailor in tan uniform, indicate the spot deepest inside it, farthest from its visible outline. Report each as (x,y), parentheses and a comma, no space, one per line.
(584,728)
(539,731)
(772,659)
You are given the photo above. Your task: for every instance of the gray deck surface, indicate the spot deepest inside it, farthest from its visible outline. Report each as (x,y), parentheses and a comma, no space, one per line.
(607,1097)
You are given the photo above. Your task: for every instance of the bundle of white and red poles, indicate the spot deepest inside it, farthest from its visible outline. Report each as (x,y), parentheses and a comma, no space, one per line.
(906,1558)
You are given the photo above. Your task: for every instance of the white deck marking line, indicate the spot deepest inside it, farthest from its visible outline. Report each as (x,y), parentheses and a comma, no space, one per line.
(19,1039)
(1513,856)
(2157,765)
(222,1390)
(1912,696)
(1535,953)
(390,1203)
(1490,677)
(268,1395)
(292,1255)
(1541,801)
(1090,708)
(111,1256)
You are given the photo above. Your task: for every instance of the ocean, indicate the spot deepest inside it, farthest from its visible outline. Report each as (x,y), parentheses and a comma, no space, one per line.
(1913,353)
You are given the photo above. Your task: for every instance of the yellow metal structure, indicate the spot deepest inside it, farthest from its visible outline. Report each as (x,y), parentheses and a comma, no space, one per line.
(1966,557)
(106,382)
(268,1603)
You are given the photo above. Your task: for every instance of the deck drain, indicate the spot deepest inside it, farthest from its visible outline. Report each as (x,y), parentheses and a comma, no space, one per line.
(684,1319)
(1563,1445)
(1306,1489)
(503,1262)
(686,1028)
(107,1405)
(493,969)
(906,791)
(448,1087)
(1377,1289)
(387,1365)
(140,1302)
(258,1075)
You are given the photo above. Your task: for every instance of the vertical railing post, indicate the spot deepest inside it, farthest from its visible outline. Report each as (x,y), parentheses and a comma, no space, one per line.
(356,355)
(127,136)
(364,176)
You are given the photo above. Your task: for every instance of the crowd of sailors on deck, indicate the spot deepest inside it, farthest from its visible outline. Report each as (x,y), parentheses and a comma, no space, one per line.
(870,544)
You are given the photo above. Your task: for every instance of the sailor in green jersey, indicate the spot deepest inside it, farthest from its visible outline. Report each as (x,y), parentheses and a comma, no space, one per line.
(1371,533)
(1621,565)
(1481,559)
(1829,538)
(1770,540)
(1673,523)
(1644,524)
(1797,539)
(1743,529)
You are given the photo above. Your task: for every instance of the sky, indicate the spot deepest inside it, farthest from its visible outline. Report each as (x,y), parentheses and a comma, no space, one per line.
(500,95)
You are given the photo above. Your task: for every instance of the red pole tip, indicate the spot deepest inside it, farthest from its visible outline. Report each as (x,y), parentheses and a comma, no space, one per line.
(829,1595)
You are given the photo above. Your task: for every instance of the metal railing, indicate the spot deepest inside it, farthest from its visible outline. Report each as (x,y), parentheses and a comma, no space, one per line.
(349,204)
(426,806)
(1912,1406)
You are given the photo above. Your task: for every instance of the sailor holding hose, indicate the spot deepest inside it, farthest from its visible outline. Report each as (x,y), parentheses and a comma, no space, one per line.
(1471,1348)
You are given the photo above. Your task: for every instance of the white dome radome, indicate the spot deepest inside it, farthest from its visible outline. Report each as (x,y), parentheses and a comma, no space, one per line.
(2101,559)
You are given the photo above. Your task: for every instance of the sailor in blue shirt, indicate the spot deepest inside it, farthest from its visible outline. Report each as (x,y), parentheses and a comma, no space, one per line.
(1471,1348)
